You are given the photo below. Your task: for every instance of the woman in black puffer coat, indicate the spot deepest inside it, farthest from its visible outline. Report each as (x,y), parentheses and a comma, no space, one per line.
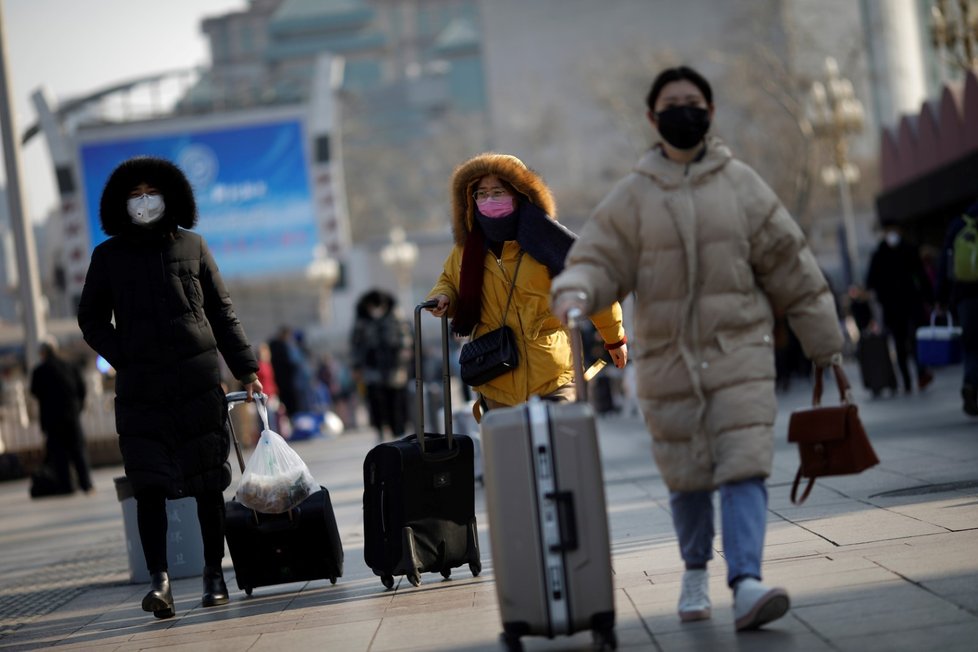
(154,305)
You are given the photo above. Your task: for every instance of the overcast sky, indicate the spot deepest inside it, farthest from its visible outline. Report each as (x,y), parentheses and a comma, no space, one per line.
(74,47)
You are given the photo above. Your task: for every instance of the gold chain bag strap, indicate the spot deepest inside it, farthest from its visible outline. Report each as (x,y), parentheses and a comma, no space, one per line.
(831,439)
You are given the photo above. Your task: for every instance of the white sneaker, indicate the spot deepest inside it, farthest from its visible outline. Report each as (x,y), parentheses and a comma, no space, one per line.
(694,601)
(756,604)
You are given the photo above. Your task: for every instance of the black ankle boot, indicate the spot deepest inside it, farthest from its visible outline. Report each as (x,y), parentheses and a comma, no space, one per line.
(159,600)
(215,590)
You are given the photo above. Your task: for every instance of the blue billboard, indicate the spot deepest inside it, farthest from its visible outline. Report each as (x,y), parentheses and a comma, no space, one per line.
(252,186)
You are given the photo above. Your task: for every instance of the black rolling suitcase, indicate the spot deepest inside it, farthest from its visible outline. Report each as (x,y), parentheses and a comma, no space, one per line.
(300,545)
(875,364)
(419,493)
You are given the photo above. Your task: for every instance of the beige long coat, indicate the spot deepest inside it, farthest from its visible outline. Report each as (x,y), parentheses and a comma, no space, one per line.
(707,249)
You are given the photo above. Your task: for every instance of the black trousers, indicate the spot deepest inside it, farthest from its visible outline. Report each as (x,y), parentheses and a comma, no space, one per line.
(152,522)
(65,448)
(387,406)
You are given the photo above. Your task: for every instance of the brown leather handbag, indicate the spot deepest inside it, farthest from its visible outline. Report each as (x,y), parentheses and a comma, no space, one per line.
(831,440)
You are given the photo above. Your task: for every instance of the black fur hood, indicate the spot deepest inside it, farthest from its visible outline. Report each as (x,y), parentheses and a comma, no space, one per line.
(180,207)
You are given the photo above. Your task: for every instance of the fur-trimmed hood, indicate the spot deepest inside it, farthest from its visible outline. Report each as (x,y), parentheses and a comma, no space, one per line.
(180,207)
(506,167)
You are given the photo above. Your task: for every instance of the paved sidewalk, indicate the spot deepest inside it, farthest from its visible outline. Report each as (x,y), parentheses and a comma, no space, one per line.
(886,560)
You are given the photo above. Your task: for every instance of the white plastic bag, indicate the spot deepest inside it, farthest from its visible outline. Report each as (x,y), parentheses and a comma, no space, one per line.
(275,479)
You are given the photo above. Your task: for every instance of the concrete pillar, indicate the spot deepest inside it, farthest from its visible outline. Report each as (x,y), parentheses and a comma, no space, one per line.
(894,42)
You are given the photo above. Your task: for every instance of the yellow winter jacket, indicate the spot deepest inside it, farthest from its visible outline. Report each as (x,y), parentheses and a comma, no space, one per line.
(543,343)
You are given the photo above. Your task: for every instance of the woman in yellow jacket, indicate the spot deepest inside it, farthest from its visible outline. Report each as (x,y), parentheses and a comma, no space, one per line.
(507,237)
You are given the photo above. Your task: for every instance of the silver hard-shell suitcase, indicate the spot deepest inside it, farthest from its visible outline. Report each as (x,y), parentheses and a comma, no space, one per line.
(547,519)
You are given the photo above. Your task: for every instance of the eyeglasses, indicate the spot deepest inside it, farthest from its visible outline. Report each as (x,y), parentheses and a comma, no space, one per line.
(495,193)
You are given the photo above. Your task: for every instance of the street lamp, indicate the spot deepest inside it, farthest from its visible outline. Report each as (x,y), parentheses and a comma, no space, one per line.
(949,29)
(835,113)
(400,255)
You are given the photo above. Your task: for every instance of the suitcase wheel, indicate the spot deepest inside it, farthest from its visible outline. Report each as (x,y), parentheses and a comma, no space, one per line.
(511,642)
(604,639)
(332,580)
(476,568)
(388,580)
(248,590)
(446,573)
(414,578)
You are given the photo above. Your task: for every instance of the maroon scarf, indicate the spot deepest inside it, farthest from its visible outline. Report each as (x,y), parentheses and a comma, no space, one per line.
(544,239)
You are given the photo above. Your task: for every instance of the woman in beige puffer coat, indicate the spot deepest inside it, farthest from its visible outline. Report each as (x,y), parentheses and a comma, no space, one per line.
(710,253)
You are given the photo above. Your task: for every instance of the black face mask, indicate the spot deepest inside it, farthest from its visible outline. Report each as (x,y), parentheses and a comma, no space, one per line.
(683,127)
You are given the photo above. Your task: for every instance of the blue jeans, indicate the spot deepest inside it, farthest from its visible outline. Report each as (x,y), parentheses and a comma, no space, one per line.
(967,310)
(743,515)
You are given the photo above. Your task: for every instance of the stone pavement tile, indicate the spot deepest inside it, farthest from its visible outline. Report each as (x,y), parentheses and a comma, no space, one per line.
(226,643)
(780,636)
(817,565)
(838,586)
(635,577)
(958,512)
(879,610)
(475,628)
(348,637)
(958,470)
(227,636)
(962,590)
(869,525)
(821,503)
(955,637)
(943,555)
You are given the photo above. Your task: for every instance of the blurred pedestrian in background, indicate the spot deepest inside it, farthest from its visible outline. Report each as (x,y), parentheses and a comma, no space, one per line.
(60,392)
(957,290)
(155,306)
(900,284)
(711,254)
(508,243)
(381,349)
(287,364)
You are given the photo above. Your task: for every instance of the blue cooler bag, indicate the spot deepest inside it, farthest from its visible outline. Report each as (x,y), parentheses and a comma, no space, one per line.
(939,346)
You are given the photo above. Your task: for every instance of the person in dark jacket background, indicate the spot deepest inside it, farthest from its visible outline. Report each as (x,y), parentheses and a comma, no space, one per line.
(961,297)
(155,306)
(897,277)
(380,346)
(60,392)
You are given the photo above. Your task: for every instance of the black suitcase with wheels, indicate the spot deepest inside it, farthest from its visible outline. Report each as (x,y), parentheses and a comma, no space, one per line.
(300,545)
(419,493)
(875,364)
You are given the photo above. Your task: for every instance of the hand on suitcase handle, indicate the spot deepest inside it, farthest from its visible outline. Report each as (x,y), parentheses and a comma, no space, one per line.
(242,396)
(437,305)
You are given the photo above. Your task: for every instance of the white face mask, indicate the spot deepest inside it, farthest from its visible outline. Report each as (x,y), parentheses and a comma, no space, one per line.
(145,209)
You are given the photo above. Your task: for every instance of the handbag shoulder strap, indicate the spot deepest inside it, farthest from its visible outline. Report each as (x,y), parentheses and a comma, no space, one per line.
(845,391)
(512,286)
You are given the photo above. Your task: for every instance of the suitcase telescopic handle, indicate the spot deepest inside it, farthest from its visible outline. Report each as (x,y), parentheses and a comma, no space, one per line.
(240,397)
(233,399)
(574,318)
(446,374)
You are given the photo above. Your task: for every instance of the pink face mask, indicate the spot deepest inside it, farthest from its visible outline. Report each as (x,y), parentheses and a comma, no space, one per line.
(498,207)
